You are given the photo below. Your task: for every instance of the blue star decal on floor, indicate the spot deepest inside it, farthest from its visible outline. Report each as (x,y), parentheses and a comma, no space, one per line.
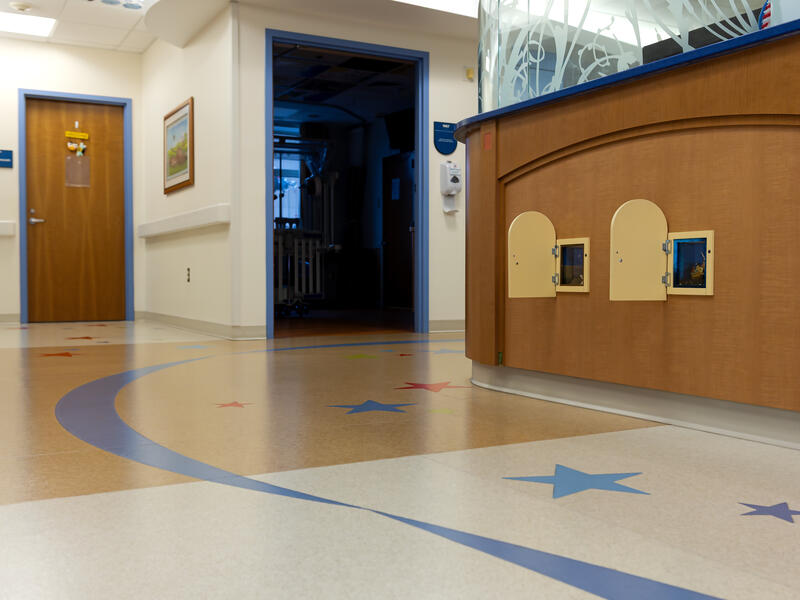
(446,351)
(568,481)
(371,405)
(781,511)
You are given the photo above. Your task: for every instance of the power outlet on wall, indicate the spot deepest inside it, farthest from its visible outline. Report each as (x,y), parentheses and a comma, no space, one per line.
(188,275)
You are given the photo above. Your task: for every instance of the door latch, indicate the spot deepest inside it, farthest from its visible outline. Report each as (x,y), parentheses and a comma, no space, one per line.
(35,221)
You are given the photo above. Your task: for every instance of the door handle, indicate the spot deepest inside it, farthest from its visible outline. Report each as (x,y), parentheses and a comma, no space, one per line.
(35,221)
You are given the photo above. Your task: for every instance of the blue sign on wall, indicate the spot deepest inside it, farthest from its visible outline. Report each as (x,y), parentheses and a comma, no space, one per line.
(444,137)
(6,159)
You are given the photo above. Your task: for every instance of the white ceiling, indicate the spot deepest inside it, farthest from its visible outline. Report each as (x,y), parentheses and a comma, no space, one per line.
(95,24)
(91,23)
(385,13)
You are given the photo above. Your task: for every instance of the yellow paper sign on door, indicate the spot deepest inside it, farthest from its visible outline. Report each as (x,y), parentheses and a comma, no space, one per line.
(77,135)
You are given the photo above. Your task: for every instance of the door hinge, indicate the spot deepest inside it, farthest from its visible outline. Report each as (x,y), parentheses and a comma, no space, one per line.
(667,247)
(665,279)
(554,250)
(555,278)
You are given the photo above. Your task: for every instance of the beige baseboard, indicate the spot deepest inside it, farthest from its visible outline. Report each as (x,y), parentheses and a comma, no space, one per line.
(446,326)
(9,318)
(228,332)
(755,423)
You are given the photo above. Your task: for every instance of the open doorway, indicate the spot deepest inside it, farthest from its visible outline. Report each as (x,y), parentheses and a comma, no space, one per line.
(348,215)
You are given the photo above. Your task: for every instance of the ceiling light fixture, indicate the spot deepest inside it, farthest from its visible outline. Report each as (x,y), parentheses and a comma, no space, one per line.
(467,8)
(22,24)
(132,4)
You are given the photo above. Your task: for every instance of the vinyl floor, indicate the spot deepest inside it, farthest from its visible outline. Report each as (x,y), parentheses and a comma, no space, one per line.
(142,461)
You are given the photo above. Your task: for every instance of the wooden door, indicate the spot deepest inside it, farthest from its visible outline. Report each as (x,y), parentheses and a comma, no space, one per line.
(76,257)
(398,233)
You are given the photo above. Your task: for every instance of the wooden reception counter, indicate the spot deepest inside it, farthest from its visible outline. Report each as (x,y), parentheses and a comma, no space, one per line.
(715,144)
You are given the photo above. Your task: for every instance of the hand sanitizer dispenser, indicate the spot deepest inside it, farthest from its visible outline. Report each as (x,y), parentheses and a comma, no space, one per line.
(451,185)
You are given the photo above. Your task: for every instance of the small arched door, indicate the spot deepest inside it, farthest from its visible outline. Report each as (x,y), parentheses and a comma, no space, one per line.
(531,262)
(638,261)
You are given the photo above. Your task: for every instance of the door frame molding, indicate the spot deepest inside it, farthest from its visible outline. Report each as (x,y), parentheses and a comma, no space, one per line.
(422,157)
(126,104)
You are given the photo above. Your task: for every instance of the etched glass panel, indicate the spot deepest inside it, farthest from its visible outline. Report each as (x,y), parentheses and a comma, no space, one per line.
(529,48)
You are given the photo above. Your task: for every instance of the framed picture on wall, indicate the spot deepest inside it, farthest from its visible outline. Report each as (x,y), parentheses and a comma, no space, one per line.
(179,147)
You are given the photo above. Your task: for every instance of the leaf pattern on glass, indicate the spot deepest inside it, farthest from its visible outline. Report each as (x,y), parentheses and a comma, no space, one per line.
(529,48)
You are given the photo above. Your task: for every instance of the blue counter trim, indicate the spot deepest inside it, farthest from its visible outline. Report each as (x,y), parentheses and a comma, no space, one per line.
(714,50)
(127,107)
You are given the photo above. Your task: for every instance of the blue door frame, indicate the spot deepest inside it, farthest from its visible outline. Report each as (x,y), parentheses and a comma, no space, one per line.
(421,60)
(126,104)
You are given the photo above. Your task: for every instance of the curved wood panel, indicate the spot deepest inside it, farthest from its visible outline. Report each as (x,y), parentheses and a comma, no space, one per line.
(742,344)
(716,145)
(652,129)
(485,280)
(763,80)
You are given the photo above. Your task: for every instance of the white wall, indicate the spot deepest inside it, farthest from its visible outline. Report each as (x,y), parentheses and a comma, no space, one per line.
(452,98)
(228,284)
(50,67)
(170,75)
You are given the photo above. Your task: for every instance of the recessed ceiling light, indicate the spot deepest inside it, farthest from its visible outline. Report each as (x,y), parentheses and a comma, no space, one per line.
(467,8)
(132,4)
(26,24)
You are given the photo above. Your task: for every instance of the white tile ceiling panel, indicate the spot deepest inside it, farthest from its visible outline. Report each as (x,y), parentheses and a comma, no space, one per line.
(92,35)
(91,23)
(97,13)
(41,8)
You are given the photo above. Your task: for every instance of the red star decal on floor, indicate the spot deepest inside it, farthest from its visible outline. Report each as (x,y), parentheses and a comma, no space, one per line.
(233,405)
(431,387)
(67,354)
(98,325)
(81,338)
(405,355)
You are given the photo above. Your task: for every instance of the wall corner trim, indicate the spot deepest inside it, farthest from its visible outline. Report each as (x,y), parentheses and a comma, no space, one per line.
(217,214)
